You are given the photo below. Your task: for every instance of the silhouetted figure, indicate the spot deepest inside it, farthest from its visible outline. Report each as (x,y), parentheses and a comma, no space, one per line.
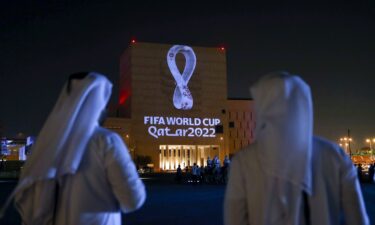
(179,174)
(202,174)
(216,169)
(186,169)
(209,162)
(360,172)
(216,162)
(226,161)
(288,176)
(194,173)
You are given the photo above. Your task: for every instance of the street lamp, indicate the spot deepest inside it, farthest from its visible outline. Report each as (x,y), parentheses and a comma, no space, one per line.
(368,140)
(346,141)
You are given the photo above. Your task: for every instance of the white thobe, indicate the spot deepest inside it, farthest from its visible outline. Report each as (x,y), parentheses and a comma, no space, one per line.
(105,184)
(256,199)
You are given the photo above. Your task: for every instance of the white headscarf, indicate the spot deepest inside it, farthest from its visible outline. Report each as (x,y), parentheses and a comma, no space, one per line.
(62,141)
(284,126)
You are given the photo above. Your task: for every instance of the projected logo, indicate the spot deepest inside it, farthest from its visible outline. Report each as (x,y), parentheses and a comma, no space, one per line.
(182,98)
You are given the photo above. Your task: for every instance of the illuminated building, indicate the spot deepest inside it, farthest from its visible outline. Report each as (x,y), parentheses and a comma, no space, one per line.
(14,149)
(173,105)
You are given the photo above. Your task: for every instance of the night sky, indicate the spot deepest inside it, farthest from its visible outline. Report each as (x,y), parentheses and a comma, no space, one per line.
(332,46)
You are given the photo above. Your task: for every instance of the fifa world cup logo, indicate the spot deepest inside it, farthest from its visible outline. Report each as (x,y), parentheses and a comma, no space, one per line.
(182,98)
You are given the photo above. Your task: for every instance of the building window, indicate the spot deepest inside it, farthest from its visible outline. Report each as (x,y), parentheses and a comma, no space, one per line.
(231,124)
(165,153)
(219,129)
(223,111)
(170,152)
(174,152)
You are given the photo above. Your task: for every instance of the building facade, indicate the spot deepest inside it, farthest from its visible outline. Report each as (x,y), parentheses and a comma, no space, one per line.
(15,149)
(173,106)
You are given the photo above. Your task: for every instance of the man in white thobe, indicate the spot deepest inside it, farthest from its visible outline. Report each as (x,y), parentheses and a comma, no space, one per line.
(287,176)
(79,173)
(105,184)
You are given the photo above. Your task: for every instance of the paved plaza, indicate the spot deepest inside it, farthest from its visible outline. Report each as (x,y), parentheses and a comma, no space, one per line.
(176,204)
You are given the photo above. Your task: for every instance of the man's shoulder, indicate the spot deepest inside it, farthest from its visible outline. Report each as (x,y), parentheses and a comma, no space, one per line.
(105,136)
(245,155)
(325,146)
(328,150)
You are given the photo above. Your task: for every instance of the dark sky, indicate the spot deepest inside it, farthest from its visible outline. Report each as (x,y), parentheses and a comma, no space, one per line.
(332,46)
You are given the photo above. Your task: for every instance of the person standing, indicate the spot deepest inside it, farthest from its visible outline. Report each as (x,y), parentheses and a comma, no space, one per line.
(79,172)
(360,172)
(179,174)
(226,161)
(216,162)
(209,162)
(194,173)
(202,174)
(288,176)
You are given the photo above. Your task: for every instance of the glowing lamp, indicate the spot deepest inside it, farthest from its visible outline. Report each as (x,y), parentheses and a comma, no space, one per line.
(132,41)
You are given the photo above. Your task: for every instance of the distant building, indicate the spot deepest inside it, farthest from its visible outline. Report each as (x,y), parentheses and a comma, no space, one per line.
(173,106)
(16,148)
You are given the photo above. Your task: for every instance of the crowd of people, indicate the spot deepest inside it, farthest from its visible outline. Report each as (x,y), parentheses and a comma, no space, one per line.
(212,173)
(368,175)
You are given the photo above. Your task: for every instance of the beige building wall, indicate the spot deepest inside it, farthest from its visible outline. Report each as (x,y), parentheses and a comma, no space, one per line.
(241,124)
(146,89)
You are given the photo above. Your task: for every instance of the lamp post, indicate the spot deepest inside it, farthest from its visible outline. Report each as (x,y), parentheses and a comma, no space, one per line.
(368,140)
(346,141)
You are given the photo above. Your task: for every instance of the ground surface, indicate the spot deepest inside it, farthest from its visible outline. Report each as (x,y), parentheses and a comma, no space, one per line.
(172,204)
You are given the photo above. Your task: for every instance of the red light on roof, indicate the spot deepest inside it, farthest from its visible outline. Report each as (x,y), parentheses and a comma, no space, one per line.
(133,41)
(222,48)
